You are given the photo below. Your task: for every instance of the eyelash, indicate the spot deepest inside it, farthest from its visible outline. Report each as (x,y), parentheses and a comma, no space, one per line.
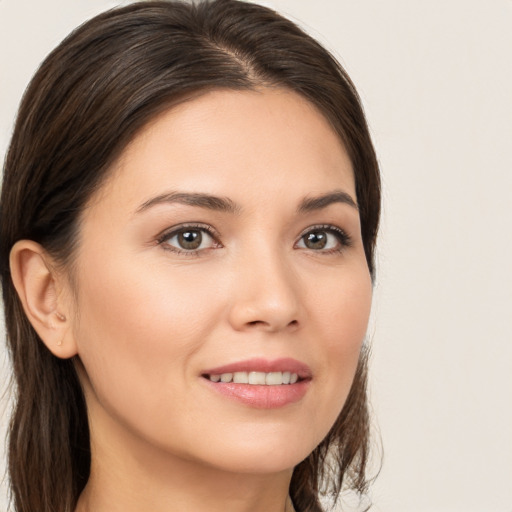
(166,235)
(343,237)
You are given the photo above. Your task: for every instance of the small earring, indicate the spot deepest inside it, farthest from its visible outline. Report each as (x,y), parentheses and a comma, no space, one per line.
(60,316)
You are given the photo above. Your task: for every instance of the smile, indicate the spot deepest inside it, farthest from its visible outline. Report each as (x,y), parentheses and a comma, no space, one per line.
(256,378)
(260,383)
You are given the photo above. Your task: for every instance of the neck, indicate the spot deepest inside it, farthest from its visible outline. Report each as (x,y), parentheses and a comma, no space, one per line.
(128,475)
(184,489)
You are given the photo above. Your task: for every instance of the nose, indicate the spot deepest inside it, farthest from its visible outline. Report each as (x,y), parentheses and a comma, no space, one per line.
(266,294)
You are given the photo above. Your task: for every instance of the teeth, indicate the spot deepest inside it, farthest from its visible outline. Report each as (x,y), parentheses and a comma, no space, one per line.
(274,379)
(256,378)
(240,378)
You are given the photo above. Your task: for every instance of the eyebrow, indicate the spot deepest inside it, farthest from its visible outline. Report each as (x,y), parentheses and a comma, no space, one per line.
(310,204)
(221,204)
(224,204)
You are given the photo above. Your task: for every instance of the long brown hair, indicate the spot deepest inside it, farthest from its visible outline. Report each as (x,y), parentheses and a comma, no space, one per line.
(89,98)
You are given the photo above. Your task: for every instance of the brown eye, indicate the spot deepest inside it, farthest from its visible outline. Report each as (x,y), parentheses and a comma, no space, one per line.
(189,239)
(324,239)
(315,240)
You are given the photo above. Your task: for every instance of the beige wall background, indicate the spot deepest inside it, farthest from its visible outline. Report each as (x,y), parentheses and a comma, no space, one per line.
(436,81)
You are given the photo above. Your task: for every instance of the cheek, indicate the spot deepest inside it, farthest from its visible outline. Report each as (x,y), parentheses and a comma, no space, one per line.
(343,314)
(138,327)
(342,308)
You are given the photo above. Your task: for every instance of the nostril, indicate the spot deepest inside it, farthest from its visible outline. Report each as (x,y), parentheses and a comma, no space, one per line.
(257,322)
(260,323)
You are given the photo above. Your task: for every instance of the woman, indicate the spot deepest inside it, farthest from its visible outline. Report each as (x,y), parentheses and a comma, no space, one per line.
(188,221)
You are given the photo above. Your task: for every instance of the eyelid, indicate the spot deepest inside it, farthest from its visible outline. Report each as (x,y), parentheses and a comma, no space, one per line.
(344,238)
(173,231)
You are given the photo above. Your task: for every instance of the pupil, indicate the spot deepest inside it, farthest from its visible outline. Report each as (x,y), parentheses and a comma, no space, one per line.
(316,240)
(190,239)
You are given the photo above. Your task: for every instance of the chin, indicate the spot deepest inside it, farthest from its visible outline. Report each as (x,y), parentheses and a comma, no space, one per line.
(257,464)
(261,454)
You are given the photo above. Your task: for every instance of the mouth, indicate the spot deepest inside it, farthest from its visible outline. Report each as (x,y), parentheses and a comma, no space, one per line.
(255,378)
(262,372)
(261,383)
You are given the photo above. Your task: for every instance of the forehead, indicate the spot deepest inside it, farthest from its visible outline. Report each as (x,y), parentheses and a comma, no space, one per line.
(234,143)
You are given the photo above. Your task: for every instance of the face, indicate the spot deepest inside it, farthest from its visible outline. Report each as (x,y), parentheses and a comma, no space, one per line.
(225,245)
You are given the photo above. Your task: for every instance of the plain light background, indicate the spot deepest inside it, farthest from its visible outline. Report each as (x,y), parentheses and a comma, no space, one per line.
(436,81)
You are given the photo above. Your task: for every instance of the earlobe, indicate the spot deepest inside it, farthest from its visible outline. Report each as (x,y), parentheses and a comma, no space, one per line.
(39,288)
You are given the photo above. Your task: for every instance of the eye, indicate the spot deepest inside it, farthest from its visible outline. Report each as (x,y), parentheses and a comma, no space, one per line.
(324,238)
(188,239)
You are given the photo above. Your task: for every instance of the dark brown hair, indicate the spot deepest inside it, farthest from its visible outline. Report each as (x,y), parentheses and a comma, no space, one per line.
(89,98)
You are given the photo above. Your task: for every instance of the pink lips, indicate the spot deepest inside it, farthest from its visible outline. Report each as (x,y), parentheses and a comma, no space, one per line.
(262,396)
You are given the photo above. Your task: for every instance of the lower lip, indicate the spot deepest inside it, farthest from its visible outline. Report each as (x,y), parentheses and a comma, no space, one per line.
(261,397)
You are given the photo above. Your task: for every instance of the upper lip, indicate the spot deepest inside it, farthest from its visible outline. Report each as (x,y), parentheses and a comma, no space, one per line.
(286,364)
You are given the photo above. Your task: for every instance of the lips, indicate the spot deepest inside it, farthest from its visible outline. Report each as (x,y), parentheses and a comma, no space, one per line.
(264,366)
(261,383)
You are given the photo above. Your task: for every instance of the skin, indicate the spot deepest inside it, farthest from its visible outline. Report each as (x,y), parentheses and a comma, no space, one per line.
(146,320)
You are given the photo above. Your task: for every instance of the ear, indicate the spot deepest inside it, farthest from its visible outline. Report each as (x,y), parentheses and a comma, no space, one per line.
(41,291)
